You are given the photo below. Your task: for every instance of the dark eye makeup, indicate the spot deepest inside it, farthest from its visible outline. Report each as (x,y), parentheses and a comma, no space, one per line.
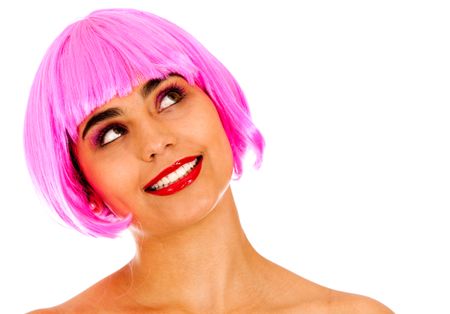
(169,96)
(174,92)
(99,139)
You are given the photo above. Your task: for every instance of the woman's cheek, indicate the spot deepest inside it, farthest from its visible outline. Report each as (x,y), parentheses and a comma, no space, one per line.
(102,178)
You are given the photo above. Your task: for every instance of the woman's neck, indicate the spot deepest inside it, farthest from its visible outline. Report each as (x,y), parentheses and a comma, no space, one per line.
(208,265)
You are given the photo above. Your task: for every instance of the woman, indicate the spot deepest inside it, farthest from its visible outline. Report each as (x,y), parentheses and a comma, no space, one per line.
(131,123)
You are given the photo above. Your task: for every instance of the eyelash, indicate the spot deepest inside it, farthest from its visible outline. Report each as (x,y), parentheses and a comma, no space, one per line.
(99,137)
(172,88)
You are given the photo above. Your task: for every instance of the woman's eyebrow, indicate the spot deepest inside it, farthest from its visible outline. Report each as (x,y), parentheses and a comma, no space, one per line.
(150,86)
(101,116)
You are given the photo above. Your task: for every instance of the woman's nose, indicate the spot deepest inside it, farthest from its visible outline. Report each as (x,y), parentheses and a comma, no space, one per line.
(155,139)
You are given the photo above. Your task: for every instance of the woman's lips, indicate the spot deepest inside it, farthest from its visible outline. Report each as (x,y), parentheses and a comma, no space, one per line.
(180,183)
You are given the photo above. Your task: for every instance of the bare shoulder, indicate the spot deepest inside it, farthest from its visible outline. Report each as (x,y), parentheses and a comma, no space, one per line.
(300,295)
(341,302)
(325,300)
(78,304)
(65,308)
(88,301)
(45,311)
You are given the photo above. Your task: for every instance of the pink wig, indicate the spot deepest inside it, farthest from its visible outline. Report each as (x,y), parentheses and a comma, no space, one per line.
(100,57)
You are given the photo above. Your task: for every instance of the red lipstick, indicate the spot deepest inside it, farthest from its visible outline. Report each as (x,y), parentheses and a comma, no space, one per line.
(180,183)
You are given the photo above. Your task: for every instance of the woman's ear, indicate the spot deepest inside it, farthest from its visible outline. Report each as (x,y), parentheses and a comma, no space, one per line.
(95,202)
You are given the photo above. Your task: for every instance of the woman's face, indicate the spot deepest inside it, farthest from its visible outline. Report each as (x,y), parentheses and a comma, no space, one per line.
(160,153)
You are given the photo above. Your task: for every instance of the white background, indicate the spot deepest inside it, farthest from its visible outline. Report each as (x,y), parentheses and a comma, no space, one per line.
(353,100)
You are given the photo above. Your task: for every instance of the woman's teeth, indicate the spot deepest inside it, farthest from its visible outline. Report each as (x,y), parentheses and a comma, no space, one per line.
(174,176)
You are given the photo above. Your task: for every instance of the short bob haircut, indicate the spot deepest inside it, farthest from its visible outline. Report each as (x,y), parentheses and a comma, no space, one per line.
(100,57)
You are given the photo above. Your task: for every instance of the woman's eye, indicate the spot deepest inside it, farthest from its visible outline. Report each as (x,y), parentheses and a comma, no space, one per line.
(110,135)
(170,98)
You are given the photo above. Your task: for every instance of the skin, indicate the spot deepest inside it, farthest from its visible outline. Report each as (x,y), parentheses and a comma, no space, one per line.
(192,254)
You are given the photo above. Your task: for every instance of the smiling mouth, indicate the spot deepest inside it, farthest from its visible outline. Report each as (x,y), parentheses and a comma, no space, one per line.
(175,177)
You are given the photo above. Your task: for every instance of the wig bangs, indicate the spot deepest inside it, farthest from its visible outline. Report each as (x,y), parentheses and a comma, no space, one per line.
(102,57)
